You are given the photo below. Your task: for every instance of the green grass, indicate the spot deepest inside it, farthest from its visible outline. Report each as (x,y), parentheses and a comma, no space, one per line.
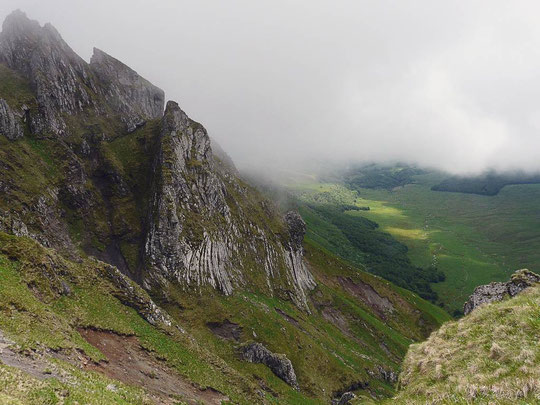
(37,315)
(325,358)
(489,356)
(334,222)
(17,387)
(473,239)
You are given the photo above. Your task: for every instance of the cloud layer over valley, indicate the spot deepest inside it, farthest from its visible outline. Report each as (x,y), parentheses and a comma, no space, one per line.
(454,85)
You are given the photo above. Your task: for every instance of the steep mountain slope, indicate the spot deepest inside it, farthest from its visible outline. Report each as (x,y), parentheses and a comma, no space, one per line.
(490,356)
(108,198)
(52,308)
(78,109)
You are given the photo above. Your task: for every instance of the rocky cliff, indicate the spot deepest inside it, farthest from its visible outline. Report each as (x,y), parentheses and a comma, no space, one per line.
(121,192)
(177,216)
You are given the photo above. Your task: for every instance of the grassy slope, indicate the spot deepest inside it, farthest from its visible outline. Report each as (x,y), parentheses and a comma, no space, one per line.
(474,239)
(36,315)
(326,358)
(489,356)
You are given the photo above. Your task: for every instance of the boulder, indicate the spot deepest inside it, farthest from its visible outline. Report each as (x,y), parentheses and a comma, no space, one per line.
(280,365)
(345,399)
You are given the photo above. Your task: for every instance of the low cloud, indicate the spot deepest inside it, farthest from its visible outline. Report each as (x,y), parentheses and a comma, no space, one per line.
(452,85)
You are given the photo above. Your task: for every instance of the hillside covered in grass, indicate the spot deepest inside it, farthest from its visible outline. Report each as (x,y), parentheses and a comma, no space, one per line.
(489,356)
(136,266)
(54,313)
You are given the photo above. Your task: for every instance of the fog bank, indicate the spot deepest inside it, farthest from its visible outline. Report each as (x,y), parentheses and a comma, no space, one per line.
(453,85)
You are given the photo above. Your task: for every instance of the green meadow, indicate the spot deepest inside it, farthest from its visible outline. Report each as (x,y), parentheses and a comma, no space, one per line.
(473,239)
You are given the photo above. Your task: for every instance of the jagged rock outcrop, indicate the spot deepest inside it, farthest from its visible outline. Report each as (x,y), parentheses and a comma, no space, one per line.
(175,216)
(65,84)
(134,97)
(177,247)
(200,233)
(302,277)
(280,365)
(345,399)
(498,291)
(9,123)
(132,295)
(60,78)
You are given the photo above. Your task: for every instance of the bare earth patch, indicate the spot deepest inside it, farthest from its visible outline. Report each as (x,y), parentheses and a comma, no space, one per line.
(381,305)
(128,362)
(34,364)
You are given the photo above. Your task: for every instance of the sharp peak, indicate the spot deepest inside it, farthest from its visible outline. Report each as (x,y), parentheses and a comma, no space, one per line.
(172,107)
(97,53)
(101,57)
(17,21)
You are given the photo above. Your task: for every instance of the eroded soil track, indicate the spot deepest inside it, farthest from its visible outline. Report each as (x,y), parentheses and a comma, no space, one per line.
(128,362)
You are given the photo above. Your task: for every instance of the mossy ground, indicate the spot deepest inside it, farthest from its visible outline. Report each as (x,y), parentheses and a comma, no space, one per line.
(327,356)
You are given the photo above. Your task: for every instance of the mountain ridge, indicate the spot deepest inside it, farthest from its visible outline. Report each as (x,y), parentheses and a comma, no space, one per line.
(123,223)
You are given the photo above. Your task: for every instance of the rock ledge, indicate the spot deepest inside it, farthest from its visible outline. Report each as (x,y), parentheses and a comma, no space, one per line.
(498,291)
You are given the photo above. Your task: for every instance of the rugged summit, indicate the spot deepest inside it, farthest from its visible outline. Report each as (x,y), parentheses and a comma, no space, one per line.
(120,216)
(60,78)
(198,224)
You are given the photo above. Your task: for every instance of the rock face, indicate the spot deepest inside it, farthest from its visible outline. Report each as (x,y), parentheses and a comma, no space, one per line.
(133,296)
(200,232)
(9,123)
(177,247)
(135,98)
(172,215)
(65,84)
(303,279)
(60,78)
(497,291)
(280,365)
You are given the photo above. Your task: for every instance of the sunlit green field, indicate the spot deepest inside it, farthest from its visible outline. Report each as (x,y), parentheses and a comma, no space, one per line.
(474,239)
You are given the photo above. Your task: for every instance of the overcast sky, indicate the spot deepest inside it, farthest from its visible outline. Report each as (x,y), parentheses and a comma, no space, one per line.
(452,84)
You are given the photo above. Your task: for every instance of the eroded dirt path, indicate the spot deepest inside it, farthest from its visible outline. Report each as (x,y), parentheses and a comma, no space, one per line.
(34,364)
(128,362)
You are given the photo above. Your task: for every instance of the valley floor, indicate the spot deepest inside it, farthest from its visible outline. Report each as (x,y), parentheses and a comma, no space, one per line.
(473,239)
